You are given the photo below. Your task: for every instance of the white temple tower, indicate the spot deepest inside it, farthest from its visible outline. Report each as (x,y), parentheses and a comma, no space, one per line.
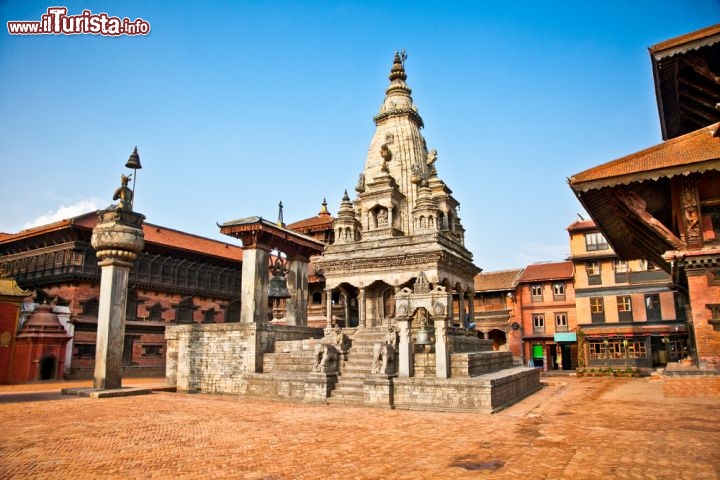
(403,222)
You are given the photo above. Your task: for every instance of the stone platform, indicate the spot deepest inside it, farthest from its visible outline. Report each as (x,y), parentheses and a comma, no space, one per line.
(279,362)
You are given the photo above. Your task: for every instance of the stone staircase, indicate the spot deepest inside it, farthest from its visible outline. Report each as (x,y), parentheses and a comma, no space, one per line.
(356,369)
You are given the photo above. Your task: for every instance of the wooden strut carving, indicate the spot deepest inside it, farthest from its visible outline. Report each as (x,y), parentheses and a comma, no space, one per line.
(637,205)
(691,211)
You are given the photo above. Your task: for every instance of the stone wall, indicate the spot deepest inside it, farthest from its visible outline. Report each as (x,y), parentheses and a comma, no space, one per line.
(478,363)
(218,358)
(486,393)
(468,343)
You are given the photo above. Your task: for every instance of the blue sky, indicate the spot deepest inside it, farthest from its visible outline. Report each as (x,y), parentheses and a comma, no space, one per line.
(235,106)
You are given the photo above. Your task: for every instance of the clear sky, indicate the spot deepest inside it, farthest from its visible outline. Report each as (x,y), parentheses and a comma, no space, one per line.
(237,105)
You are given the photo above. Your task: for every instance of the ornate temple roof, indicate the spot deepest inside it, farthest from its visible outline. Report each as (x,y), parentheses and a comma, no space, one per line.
(154,234)
(693,152)
(686,70)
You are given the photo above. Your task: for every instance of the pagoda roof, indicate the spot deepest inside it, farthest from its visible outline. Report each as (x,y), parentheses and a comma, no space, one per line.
(693,152)
(686,72)
(324,221)
(154,234)
(693,40)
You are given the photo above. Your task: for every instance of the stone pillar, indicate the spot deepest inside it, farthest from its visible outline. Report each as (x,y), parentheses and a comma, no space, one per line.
(461,307)
(297,281)
(471,305)
(118,238)
(405,348)
(328,304)
(346,305)
(255,283)
(63,314)
(442,357)
(361,308)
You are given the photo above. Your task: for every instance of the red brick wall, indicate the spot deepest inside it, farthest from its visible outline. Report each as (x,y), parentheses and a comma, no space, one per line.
(707,340)
(76,295)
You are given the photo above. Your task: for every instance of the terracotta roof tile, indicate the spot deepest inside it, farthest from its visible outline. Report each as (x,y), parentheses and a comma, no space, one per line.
(582,225)
(499,280)
(313,224)
(695,151)
(547,271)
(695,36)
(153,234)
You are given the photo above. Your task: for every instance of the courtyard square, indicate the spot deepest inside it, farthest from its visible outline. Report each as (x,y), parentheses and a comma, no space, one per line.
(572,428)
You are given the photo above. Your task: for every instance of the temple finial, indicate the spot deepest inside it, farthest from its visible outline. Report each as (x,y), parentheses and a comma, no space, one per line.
(346,198)
(324,209)
(397,72)
(280,222)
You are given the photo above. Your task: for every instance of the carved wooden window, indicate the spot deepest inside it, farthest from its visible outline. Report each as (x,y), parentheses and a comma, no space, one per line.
(561,322)
(536,292)
(209,316)
(132,305)
(597,310)
(152,350)
(595,241)
(317,298)
(232,315)
(538,323)
(90,308)
(652,307)
(624,306)
(84,350)
(155,312)
(185,311)
(559,291)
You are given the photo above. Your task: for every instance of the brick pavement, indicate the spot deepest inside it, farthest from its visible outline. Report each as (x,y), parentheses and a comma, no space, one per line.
(574,428)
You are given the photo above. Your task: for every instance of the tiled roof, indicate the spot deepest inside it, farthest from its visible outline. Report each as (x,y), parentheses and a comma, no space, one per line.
(695,36)
(582,225)
(547,271)
(155,234)
(323,221)
(499,280)
(694,152)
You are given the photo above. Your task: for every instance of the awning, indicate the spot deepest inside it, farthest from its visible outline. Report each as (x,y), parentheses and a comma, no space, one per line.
(566,337)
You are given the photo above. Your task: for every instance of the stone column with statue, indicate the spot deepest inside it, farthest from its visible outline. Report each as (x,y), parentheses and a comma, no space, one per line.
(118,239)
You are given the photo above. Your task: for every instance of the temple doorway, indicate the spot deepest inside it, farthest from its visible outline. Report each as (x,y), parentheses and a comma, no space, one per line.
(47,367)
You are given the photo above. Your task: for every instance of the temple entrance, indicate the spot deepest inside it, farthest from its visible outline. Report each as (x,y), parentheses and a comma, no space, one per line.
(499,340)
(47,367)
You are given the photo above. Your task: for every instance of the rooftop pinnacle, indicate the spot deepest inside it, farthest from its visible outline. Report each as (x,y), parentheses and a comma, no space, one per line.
(397,72)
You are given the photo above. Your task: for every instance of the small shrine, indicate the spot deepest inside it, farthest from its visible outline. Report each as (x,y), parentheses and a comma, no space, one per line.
(40,348)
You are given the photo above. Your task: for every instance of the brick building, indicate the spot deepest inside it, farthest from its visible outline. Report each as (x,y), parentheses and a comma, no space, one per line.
(625,308)
(178,278)
(495,309)
(663,203)
(546,304)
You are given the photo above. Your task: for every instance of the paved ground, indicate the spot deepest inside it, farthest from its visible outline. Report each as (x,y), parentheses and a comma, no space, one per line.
(575,428)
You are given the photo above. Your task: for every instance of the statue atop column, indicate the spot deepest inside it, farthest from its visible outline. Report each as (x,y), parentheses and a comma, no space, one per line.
(124,194)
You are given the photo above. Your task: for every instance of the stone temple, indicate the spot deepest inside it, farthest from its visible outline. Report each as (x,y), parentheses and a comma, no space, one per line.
(398,257)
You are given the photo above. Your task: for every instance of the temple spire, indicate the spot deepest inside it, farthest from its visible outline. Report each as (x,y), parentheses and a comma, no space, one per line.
(280,222)
(397,72)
